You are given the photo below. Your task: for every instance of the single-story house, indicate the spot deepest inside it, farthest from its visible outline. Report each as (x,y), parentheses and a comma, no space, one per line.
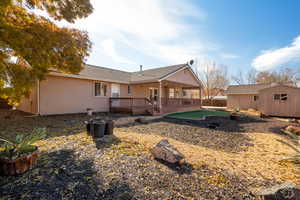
(244,96)
(155,91)
(269,99)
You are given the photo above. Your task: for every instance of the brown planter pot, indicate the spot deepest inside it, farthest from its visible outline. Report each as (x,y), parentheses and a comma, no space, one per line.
(19,165)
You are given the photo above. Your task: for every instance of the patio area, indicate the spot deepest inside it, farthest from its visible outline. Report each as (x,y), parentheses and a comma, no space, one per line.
(157,98)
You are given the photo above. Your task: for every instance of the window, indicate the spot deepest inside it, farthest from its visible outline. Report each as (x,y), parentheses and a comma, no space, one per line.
(171,92)
(100,89)
(282,97)
(276,96)
(255,98)
(97,89)
(184,93)
(129,89)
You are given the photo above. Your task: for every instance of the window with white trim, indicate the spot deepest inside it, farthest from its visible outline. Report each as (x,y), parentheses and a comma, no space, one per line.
(100,89)
(282,97)
(171,93)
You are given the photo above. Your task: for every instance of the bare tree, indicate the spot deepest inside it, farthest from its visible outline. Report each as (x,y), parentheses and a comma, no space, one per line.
(251,76)
(213,77)
(245,78)
(239,78)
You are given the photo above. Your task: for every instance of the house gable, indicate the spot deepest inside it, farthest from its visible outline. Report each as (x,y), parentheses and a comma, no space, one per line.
(185,76)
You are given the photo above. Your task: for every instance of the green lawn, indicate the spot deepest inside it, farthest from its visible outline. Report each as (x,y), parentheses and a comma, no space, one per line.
(197,114)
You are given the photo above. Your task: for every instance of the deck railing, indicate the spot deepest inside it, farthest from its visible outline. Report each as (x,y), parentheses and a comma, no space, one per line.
(131,105)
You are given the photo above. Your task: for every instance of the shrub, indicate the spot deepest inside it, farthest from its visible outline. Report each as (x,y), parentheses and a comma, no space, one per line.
(22,144)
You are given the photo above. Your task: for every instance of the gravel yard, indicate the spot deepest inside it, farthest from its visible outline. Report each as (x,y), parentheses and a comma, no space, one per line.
(73,166)
(228,136)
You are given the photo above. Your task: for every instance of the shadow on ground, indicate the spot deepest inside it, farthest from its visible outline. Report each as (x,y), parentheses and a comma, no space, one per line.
(185,168)
(61,175)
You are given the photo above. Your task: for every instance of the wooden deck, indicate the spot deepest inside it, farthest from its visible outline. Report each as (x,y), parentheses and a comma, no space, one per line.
(136,106)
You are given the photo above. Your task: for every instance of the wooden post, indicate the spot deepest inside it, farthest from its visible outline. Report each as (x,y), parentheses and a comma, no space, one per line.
(200,97)
(131,105)
(110,105)
(160,94)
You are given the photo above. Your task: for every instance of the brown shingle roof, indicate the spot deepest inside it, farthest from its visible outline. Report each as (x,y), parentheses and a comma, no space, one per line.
(155,74)
(111,75)
(246,89)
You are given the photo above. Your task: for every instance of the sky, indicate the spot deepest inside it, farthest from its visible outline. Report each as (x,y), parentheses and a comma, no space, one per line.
(241,34)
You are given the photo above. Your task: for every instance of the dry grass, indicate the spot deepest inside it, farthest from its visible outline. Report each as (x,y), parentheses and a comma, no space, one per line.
(260,162)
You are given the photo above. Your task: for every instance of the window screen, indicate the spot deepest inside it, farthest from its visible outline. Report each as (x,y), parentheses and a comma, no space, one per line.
(97,89)
(283,97)
(171,93)
(100,89)
(103,89)
(276,96)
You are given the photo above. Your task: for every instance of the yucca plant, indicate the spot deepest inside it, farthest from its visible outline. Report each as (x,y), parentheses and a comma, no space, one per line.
(294,158)
(22,144)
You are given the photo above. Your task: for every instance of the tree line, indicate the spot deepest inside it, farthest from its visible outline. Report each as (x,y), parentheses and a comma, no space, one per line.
(215,77)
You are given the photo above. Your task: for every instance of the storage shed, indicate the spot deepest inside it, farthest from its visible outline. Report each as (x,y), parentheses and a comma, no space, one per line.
(244,96)
(280,100)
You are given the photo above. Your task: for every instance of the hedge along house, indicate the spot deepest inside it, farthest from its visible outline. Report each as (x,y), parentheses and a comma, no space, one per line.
(280,100)
(154,91)
(244,96)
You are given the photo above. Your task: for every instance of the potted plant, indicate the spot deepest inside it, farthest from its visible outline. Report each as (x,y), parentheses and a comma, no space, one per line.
(19,155)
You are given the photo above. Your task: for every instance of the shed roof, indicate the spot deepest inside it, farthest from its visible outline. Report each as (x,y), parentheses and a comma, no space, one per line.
(246,89)
(280,86)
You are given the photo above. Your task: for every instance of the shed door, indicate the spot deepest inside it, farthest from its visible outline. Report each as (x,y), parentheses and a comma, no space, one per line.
(281,104)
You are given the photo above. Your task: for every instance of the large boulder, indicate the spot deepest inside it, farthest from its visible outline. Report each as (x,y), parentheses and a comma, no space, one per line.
(166,152)
(285,191)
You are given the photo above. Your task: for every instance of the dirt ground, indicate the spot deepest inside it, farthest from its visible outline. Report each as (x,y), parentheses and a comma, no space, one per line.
(228,162)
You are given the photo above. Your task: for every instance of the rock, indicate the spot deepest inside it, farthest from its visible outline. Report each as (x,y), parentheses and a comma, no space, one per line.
(292,121)
(262,115)
(165,151)
(293,129)
(141,120)
(285,191)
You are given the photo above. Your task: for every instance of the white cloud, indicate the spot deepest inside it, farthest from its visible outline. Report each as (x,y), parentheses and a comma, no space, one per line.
(278,57)
(229,56)
(153,29)
(108,48)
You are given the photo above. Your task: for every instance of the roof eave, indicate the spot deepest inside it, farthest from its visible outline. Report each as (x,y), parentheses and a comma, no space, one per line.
(86,78)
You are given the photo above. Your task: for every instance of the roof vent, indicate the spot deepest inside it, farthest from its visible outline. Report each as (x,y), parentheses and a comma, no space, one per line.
(141,68)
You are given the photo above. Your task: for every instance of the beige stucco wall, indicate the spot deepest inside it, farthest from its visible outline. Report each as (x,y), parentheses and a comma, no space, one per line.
(242,101)
(288,108)
(61,95)
(29,104)
(184,76)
